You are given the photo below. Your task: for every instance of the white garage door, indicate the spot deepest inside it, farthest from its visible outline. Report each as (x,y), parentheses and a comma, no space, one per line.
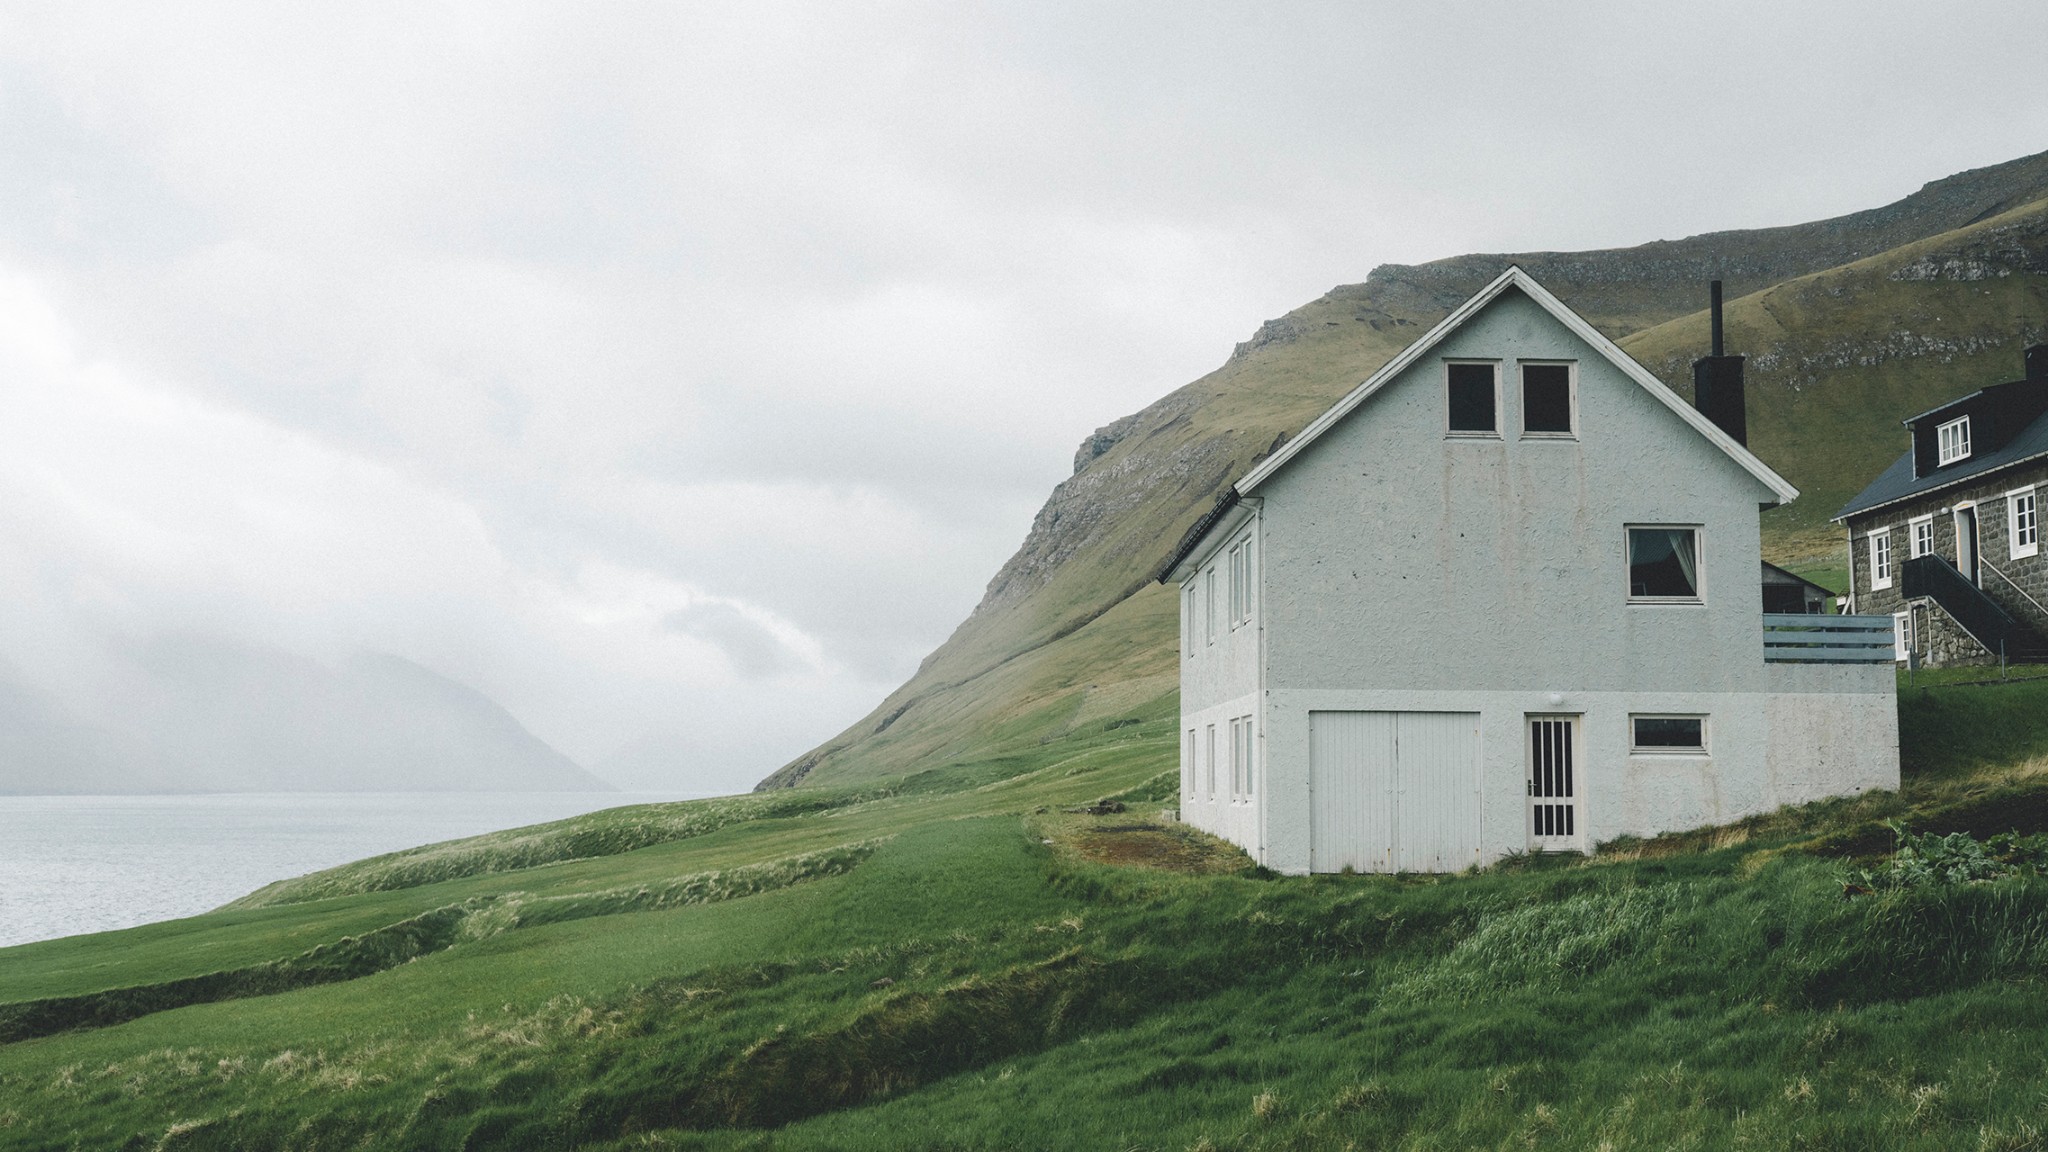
(1393,791)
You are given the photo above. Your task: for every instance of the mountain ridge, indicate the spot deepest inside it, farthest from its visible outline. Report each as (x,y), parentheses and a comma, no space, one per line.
(1141,480)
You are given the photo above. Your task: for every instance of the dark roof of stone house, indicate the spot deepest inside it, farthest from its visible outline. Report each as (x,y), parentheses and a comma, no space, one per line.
(1898,482)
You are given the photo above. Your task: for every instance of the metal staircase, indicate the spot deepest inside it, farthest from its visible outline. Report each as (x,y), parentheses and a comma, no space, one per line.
(1976,613)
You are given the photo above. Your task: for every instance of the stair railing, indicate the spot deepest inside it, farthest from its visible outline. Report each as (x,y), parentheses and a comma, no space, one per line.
(1979,615)
(2015,586)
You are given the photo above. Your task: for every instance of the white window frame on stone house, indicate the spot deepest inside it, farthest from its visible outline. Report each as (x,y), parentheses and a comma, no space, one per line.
(1952,441)
(1880,559)
(1902,636)
(2023,522)
(1920,536)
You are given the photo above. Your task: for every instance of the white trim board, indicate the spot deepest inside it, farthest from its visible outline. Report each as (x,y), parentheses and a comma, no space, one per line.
(1514,277)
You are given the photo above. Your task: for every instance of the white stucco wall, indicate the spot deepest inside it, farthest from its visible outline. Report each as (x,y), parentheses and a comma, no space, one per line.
(1400,569)
(1221,681)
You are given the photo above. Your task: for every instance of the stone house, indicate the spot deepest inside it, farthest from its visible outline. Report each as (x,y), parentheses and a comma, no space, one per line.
(1502,597)
(1947,541)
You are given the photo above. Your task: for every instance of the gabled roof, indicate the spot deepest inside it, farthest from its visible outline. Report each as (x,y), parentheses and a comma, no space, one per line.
(1898,483)
(1191,538)
(1514,277)
(1791,577)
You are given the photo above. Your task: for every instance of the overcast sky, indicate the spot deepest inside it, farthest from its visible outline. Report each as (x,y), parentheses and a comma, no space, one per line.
(678,375)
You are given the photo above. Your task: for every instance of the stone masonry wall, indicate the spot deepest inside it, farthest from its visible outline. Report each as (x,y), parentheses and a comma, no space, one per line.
(2004,579)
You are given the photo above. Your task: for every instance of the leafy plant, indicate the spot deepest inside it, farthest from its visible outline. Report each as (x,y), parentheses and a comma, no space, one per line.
(1929,858)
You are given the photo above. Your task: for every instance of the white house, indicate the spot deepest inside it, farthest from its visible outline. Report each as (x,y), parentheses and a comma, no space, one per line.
(1505,596)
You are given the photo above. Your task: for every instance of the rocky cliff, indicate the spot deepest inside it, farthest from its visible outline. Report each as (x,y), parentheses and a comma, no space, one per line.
(1850,323)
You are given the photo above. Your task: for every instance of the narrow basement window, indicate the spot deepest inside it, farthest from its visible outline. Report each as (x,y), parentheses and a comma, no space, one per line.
(1547,400)
(1473,395)
(1667,734)
(1663,564)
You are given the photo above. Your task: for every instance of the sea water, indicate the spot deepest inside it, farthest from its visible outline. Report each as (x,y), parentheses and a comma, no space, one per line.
(71,864)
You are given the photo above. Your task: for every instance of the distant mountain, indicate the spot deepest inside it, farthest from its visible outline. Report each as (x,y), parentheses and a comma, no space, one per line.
(199,714)
(1850,324)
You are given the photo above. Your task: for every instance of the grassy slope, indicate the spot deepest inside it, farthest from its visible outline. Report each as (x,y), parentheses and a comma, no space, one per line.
(968,985)
(1839,352)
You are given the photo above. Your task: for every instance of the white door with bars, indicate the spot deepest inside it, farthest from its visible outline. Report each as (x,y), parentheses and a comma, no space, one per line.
(1554,784)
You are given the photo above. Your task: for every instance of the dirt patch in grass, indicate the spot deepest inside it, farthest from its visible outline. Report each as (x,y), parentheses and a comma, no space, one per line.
(1124,842)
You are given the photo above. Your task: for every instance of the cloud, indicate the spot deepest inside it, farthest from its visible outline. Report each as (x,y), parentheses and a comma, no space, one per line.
(752,648)
(679,375)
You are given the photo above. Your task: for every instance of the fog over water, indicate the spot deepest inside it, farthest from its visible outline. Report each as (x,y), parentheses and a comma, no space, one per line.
(665,381)
(71,864)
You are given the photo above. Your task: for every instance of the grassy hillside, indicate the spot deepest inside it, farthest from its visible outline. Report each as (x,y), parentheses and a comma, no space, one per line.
(954,959)
(1850,324)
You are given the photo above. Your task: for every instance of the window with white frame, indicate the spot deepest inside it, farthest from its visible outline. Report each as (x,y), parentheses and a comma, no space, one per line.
(1920,537)
(1209,602)
(1472,399)
(1187,767)
(1664,563)
(1668,734)
(1241,582)
(1952,440)
(1241,758)
(1188,623)
(1880,559)
(1547,400)
(1209,762)
(2022,522)
(1902,635)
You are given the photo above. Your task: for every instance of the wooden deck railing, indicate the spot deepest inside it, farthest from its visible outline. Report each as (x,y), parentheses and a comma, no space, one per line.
(1790,639)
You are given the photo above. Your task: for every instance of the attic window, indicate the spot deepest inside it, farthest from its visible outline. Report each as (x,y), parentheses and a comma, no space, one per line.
(1546,400)
(1473,396)
(1952,440)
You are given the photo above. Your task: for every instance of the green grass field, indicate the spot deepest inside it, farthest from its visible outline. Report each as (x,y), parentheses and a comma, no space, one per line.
(953,961)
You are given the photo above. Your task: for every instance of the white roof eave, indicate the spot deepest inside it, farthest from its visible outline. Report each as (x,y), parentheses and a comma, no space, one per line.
(1516,278)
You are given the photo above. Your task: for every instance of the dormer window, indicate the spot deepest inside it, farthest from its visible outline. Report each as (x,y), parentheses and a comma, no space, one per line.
(1952,440)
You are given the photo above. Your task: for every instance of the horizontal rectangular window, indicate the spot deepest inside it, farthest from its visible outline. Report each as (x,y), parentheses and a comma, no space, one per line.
(1663,564)
(1668,733)
(1547,399)
(1473,396)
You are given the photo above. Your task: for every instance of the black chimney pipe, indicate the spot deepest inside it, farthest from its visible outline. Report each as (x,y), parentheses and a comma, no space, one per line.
(1717,389)
(1714,294)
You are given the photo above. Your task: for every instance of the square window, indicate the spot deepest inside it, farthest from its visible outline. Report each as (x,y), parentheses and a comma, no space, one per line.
(1668,733)
(1663,564)
(1547,399)
(1953,440)
(1472,398)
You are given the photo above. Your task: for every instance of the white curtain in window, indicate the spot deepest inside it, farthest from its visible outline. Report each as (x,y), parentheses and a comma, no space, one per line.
(1682,547)
(1649,545)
